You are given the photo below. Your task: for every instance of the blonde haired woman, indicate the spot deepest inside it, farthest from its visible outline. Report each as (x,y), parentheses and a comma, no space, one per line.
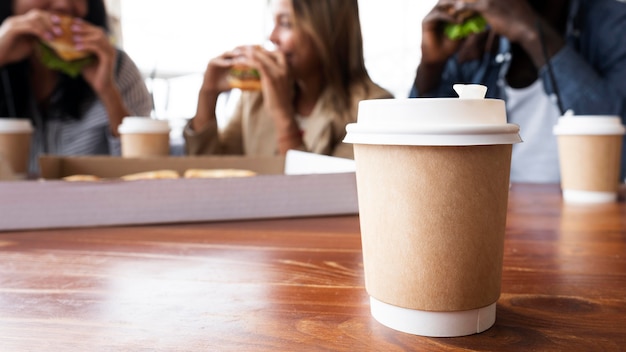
(311,85)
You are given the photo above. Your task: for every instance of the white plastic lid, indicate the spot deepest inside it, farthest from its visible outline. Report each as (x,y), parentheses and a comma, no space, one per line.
(468,120)
(136,124)
(589,125)
(434,324)
(12,125)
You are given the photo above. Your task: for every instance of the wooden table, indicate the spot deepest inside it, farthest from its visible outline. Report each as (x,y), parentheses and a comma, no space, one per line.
(297,285)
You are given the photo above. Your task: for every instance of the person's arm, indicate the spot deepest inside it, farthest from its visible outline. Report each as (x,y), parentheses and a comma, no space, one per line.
(100,75)
(132,87)
(587,82)
(585,89)
(436,49)
(205,110)
(19,34)
(202,134)
(133,94)
(201,142)
(594,82)
(211,141)
(277,85)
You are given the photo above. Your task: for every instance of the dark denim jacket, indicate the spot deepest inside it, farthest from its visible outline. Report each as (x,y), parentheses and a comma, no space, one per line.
(590,71)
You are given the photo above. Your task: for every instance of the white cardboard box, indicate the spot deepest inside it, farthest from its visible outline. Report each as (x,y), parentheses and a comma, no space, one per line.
(54,203)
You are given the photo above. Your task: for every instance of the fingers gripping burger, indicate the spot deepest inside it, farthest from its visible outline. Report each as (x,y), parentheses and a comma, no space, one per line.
(60,53)
(468,23)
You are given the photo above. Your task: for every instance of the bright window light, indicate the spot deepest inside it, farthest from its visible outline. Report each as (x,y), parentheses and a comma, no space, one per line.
(173,40)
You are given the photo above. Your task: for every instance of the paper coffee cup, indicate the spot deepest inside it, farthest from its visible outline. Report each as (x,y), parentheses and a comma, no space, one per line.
(144,137)
(15,140)
(590,149)
(432,182)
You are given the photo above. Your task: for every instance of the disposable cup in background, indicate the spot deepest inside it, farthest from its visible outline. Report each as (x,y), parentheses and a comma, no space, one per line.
(590,149)
(144,137)
(433,182)
(15,139)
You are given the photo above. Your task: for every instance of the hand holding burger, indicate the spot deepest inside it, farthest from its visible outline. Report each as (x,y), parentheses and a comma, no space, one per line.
(60,52)
(472,24)
(243,76)
(467,22)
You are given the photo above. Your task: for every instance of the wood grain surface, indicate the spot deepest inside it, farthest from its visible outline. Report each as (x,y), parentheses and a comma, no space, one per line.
(297,285)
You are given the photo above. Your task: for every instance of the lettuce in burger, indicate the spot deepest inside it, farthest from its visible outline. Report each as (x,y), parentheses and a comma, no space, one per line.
(244,77)
(472,25)
(60,53)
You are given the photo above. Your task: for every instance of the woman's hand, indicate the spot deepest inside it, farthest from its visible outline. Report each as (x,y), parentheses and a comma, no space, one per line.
(437,48)
(19,34)
(100,75)
(276,80)
(215,79)
(278,96)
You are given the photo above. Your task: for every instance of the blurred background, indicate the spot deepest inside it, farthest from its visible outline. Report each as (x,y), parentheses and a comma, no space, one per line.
(172,41)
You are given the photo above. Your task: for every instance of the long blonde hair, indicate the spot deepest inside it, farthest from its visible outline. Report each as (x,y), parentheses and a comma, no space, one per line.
(335,29)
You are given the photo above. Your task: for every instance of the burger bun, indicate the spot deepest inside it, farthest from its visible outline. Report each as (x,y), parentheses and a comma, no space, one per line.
(63,45)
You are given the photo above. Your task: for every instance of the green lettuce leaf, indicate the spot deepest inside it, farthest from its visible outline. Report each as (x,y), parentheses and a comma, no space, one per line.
(247,72)
(54,62)
(472,25)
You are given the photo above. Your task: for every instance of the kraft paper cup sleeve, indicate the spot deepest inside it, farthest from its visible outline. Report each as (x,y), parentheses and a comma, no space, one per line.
(433,255)
(590,155)
(421,147)
(590,167)
(15,140)
(144,137)
(427,290)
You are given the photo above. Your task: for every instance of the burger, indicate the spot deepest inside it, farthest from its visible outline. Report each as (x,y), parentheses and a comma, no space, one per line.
(244,77)
(469,23)
(60,53)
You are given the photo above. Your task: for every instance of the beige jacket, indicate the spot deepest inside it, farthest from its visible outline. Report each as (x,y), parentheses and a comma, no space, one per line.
(251,131)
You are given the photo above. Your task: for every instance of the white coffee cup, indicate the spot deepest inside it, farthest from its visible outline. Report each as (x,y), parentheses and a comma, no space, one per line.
(144,137)
(432,183)
(590,150)
(15,140)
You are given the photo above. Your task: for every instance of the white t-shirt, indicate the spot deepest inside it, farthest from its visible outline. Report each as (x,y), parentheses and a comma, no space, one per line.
(536,159)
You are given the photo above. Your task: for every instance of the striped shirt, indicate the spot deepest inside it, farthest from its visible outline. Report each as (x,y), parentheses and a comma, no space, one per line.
(91,135)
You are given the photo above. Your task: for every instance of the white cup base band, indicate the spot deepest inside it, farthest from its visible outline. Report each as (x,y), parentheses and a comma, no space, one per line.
(575,196)
(434,324)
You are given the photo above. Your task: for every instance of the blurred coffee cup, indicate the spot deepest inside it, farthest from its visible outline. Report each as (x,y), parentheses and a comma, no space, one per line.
(144,137)
(590,149)
(15,140)
(432,183)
